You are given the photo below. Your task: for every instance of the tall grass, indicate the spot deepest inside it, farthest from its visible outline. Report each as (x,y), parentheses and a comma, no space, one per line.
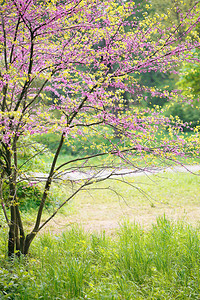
(161,263)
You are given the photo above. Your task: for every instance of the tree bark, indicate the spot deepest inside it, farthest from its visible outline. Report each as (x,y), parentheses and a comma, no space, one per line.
(12,232)
(21,230)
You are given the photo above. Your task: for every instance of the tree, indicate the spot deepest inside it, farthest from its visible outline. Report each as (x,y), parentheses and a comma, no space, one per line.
(48,46)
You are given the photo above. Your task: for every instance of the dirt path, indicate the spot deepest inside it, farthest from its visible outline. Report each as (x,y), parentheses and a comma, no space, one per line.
(77,175)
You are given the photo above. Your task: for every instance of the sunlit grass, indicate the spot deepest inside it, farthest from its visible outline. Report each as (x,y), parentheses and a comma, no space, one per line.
(142,198)
(148,256)
(138,198)
(160,263)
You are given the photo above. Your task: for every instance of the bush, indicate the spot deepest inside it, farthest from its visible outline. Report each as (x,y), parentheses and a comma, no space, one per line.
(28,196)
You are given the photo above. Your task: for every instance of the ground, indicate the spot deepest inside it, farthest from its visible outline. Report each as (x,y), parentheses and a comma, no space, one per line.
(175,194)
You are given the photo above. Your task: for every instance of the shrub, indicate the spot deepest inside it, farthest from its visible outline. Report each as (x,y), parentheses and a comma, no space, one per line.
(28,196)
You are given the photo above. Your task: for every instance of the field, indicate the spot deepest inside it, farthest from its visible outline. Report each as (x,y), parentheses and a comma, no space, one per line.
(115,245)
(141,200)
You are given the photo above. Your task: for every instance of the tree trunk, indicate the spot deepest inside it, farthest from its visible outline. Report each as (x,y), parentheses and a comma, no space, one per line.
(28,240)
(17,243)
(12,231)
(21,230)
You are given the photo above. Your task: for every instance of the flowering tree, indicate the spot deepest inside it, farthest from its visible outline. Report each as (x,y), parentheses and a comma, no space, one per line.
(57,77)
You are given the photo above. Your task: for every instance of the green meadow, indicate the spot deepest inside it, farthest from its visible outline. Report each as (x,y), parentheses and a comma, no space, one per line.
(114,242)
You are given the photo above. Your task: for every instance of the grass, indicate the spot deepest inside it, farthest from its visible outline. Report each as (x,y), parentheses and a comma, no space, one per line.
(126,249)
(160,263)
(105,205)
